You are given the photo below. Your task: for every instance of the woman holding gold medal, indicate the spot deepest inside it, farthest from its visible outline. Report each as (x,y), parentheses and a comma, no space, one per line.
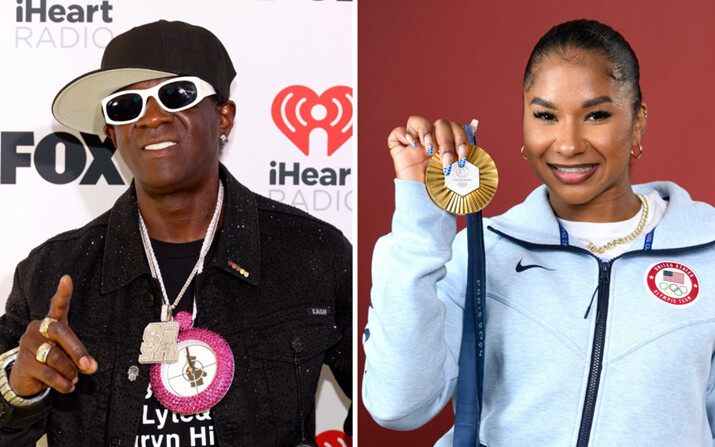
(600,318)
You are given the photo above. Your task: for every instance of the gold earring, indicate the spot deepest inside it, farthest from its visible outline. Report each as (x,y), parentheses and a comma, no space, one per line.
(640,152)
(522,153)
(645,114)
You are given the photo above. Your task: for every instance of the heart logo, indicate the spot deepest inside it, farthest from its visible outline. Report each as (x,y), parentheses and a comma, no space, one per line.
(297,110)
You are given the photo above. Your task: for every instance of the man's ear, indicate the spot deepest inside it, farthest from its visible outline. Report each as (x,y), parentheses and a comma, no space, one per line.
(226,115)
(109,132)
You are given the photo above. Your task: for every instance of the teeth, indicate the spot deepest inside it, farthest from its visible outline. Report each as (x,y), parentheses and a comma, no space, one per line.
(574,170)
(158,146)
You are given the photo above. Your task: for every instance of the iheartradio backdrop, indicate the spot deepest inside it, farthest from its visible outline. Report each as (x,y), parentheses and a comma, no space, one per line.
(461,59)
(291,141)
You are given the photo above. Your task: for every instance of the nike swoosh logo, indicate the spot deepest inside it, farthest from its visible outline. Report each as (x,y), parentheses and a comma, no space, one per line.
(520,268)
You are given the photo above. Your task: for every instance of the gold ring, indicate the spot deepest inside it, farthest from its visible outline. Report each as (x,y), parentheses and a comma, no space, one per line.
(45,325)
(42,352)
(394,146)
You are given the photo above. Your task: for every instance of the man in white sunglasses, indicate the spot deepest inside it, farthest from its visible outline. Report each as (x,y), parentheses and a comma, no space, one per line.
(192,295)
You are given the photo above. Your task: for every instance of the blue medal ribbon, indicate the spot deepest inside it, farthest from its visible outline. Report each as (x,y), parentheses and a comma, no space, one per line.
(468,404)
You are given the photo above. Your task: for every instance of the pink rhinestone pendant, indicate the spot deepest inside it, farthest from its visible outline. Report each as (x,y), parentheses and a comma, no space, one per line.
(201,376)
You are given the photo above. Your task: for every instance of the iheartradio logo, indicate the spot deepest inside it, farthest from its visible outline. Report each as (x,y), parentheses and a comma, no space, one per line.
(297,110)
(333,438)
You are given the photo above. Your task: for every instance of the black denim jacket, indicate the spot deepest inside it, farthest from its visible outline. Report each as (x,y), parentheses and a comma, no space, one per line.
(291,315)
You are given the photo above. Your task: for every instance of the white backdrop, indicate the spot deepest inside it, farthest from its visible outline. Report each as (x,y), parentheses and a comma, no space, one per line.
(294,53)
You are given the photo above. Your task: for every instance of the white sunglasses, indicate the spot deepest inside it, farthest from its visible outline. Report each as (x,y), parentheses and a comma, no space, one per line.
(173,95)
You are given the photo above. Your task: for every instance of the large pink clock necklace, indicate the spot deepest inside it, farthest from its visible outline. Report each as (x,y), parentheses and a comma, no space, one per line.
(192,367)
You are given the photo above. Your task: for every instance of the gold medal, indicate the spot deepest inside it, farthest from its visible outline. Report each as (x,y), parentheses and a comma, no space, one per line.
(467,189)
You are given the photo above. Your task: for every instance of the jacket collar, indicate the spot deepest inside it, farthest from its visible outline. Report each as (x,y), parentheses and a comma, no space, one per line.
(236,247)
(686,223)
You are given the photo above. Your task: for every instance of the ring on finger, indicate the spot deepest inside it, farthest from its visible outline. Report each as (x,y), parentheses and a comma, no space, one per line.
(45,325)
(42,352)
(394,146)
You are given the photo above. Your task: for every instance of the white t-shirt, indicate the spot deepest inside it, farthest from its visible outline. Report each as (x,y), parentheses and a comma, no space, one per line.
(601,233)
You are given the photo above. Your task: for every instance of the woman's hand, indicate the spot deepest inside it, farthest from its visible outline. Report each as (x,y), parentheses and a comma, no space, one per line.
(66,357)
(412,146)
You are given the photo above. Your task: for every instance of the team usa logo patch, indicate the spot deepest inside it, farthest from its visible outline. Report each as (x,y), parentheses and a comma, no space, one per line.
(672,283)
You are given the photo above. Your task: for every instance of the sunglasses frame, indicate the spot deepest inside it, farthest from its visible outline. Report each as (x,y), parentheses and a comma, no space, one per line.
(203,89)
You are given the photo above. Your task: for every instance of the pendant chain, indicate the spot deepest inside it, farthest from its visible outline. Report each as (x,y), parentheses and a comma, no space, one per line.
(639,229)
(198,268)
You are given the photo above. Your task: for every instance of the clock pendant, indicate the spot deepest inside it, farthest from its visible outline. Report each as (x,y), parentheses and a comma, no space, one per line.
(201,376)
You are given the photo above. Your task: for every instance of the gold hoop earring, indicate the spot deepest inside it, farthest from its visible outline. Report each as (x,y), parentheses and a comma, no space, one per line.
(522,153)
(640,152)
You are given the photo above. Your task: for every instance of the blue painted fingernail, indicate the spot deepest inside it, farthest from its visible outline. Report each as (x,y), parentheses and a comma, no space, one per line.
(462,162)
(447,170)
(430,149)
(414,144)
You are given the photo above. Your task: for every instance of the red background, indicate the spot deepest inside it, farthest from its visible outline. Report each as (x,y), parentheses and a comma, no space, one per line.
(465,59)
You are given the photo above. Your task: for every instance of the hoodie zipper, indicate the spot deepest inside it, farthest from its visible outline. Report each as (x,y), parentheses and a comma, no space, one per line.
(594,376)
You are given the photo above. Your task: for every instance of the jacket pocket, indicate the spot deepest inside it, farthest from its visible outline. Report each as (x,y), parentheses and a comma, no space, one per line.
(79,417)
(291,355)
(303,336)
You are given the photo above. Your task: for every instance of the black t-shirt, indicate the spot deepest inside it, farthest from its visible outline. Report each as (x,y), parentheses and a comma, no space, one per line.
(176,261)
(159,426)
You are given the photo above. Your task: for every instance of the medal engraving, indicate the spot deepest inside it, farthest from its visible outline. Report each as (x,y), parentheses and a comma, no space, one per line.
(463,180)
(159,343)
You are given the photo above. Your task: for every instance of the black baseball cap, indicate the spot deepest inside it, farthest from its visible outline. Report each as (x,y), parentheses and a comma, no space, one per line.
(155,50)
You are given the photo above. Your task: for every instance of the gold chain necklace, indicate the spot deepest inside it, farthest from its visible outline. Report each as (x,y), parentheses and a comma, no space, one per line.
(641,225)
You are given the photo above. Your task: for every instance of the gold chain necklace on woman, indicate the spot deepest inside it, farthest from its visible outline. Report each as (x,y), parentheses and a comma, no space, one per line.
(641,225)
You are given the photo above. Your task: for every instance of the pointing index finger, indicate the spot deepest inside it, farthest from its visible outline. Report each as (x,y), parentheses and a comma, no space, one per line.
(60,303)
(61,333)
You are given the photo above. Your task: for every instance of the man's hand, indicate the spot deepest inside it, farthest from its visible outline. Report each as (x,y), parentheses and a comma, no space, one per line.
(66,358)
